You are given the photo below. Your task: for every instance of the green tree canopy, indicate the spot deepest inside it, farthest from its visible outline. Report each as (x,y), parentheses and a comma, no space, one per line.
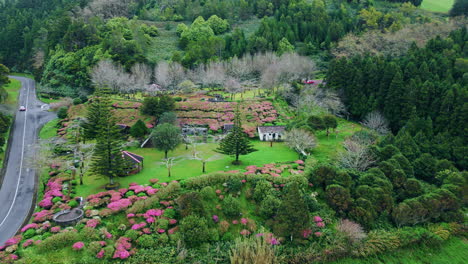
(236,142)
(166,137)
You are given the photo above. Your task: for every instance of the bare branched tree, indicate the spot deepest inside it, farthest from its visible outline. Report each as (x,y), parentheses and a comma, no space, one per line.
(141,77)
(169,75)
(377,122)
(203,157)
(356,155)
(107,8)
(300,140)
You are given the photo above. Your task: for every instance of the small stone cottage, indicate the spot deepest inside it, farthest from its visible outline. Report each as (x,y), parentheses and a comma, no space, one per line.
(271,133)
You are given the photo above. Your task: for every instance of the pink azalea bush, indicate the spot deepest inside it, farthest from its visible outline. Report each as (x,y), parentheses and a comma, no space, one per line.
(29,226)
(78,245)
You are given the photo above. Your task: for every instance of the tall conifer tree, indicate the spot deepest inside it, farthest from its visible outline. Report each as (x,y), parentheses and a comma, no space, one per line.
(236,142)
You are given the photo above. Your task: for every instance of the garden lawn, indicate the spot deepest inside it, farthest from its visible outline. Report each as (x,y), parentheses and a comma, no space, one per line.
(186,168)
(49,130)
(442,6)
(328,147)
(452,251)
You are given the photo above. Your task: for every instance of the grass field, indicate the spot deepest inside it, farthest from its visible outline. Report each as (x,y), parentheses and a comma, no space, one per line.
(442,6)
(185,167)
(451,252)
(49,130)
(165,44)
(10,104)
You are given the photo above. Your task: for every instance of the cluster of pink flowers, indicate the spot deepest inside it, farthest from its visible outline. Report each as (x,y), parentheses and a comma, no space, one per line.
(29,226)
(215,115)
(119,205)
(215,218)
(245,232)
(273,169)
(319,221)
(93,223)
(53,189)
(27,243)
(244,221)
(78,245)
(55,229)
(42,216)
(122,247)
(138,226)
(269,238)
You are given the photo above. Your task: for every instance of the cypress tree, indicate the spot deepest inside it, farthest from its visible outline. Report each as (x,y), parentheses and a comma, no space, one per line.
(99,104)
(236,142)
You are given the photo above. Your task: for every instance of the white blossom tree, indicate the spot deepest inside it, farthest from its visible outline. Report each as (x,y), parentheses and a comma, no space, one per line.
(301,140)
(357,155)
(377,122)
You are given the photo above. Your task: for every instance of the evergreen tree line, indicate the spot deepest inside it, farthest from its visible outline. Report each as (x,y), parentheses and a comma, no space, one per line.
(426,89)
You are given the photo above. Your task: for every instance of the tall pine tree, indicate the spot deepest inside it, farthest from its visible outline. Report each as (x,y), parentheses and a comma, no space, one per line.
(107,159)
(236,142)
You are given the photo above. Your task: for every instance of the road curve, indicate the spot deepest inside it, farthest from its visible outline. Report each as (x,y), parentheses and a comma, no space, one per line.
(17,189)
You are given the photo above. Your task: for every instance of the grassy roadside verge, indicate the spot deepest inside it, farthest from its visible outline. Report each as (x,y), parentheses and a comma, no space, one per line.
(11,102)
(452,251)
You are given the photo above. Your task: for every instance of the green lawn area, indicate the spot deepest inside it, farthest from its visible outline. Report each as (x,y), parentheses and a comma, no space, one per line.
(329,147)
(49,130)
(187,168)
(165,44)
(451,252)
(11,102)
(442,6)
(13,90)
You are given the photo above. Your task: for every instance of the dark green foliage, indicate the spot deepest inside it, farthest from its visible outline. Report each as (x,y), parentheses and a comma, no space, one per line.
(338,197)
(62,112)
(139,129)
(166,137)
(262,189)
(330,122)
(77,101)
(194,230)
(155,106)
(460,7)
(107,158)
(291,217)
(190,204)
(425,167)
(269,206)
(234,185)
(236,142)
(168,117)
(231,206)
(4,71)
(4,126)
(316,123)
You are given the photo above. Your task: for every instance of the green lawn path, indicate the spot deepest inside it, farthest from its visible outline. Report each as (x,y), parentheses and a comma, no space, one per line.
(442,6)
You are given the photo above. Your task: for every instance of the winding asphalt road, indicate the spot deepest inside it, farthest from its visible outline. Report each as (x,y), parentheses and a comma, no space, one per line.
(17,189)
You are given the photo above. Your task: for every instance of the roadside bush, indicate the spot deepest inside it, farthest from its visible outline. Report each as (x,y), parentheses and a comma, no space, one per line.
(29,233)
(62,113)
(231,206)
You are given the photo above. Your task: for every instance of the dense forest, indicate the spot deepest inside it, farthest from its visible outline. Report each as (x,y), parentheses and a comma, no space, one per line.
(372,97)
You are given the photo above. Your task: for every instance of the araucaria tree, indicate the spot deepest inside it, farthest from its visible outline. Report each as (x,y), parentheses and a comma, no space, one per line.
(107,160)
(166,137)
(236,142)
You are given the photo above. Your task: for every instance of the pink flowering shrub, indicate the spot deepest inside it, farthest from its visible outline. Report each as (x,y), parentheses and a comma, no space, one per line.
(29,226)
(317,219)
(100,254)
(55,229)
(215,218)
(78,245)
(93,223)
(27,243)
(245,232)
(122,247)
(244,221)
(119,205)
